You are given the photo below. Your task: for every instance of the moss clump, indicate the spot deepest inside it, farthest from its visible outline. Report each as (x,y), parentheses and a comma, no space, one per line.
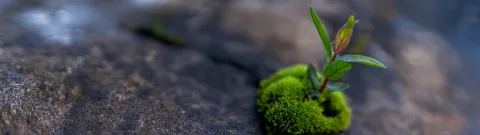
(298,71)
(287,109)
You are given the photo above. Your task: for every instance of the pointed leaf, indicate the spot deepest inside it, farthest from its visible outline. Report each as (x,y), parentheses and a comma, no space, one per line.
(365,60)
(344,35)
(351,22)
(356,21)
(336,69)
(322,32)
(337,86)
(312,77)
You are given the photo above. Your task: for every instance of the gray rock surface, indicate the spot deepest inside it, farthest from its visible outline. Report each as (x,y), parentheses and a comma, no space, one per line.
(130,87)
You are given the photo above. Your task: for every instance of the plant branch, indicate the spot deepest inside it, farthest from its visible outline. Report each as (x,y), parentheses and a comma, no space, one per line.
(325,82)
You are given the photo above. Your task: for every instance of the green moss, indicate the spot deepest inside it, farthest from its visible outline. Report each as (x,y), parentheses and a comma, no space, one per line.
(297,71)
(283,100)
(288,87)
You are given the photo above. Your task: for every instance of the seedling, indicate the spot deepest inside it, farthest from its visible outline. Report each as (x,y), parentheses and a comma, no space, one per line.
(299,100)
(335,64)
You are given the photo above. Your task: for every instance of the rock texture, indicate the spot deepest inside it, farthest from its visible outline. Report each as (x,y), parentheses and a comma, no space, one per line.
(130,87)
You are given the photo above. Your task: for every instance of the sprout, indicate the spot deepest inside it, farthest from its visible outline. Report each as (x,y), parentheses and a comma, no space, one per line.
(335,65)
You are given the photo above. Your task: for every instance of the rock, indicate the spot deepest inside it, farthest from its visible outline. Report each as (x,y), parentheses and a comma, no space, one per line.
(115,86)
(283,30)
(107,81)
(120,84)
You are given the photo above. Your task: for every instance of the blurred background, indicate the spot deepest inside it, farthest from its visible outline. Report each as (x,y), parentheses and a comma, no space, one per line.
(193,66)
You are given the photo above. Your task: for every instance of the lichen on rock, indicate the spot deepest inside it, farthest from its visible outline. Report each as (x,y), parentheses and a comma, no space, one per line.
(287,109)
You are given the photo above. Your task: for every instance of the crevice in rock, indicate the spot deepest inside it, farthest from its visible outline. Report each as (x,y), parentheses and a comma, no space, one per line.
(156,33)
(255,79)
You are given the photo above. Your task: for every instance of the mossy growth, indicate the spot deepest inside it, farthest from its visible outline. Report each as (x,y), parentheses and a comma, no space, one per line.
(287,107)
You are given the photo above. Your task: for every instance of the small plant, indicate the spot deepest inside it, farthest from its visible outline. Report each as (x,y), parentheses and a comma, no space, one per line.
(335,65)
(300,100)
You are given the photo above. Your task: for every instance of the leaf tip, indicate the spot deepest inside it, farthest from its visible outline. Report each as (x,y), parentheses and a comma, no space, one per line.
(383,66)
(351,21)
(380,65)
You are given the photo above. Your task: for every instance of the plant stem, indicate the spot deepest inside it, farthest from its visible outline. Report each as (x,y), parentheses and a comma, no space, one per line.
(325,82)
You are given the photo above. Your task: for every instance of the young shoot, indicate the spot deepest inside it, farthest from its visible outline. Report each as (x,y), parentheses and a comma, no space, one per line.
(335,64)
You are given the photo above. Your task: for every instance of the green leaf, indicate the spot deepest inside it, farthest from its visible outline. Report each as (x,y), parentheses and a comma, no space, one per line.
(351,21)
(344,35)
(322,32)
(337,86)
(355,23)
(336,69)
(365,60)
(312,77)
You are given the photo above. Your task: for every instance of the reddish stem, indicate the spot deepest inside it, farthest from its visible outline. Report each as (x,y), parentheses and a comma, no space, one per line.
(325,82)
(334,57)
